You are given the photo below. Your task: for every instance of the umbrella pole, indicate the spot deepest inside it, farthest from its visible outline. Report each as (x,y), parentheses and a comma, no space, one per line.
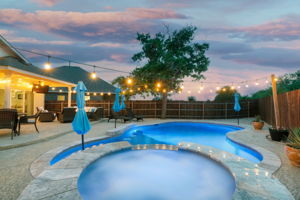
(238,116)
(82,141)
(115,123)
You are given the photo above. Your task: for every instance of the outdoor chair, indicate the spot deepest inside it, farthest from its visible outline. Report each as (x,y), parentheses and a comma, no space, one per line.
(132,115)
(45,115)
(67,115)
(117,116)
(29,119)
(96,115)
(9,120)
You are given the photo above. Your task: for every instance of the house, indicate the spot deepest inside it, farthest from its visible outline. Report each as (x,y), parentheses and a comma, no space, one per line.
(97,89)
(24,86)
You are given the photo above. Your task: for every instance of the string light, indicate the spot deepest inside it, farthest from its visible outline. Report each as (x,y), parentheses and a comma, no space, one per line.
(53,88)
(224,89)
(158,85)
(109,94)
(129,81)
(246,86)
(101,93)
(60,90)
(95,94)
(232,87)
(93,74)
(47,64)
(87,93)
(182,87)
(217,88)
(146,86)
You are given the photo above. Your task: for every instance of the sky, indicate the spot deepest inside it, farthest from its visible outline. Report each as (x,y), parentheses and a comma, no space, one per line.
(249,39)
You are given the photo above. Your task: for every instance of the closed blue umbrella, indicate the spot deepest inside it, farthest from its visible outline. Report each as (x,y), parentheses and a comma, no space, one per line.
(81,123)
(237,106)
(116,107)
(123,106)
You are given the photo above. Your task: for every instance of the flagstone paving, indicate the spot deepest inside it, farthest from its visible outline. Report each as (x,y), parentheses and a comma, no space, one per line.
(16,162)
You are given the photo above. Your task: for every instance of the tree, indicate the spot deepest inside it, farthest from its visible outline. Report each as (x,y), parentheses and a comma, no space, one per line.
(225,94)
(191,98)
(167,59)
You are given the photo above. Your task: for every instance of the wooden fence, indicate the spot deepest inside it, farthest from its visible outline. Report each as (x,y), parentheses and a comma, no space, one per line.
(289,109)
(175,109)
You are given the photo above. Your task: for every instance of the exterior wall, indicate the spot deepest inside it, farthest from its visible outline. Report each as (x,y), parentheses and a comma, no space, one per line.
(38,100)
(2,98)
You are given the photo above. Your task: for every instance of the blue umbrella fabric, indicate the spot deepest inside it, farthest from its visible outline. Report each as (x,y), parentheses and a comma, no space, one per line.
(81,123)
(123,106)
(237,106)
(116,107)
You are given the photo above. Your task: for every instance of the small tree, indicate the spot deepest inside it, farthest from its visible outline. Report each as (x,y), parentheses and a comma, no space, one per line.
(225,94)
(167,59)
(191,98)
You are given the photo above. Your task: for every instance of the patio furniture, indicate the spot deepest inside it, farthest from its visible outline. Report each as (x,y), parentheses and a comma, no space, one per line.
(117,116)
(95,115)
(132,115)
(45,115)
(9,120)
(29,119)
(67,115)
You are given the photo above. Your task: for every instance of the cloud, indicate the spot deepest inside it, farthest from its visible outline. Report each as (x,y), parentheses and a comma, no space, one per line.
(48,3)
(106,44)
(36,41)
(284,29)
(113,26)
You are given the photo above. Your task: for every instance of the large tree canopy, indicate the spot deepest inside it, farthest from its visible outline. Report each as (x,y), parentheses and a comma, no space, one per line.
(225,94)
(167,59)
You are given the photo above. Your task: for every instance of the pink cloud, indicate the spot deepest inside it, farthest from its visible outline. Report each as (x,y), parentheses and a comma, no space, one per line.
(35,41)
(118,57)
(48,3)
(106,44)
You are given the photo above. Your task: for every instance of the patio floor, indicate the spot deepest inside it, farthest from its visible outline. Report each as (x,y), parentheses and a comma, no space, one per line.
(15,162)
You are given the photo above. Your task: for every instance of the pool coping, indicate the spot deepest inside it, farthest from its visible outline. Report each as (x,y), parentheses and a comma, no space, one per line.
(40,168)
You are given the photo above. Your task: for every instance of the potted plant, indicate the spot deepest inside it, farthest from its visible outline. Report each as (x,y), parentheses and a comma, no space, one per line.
(292,148)
(278,134)
(257,123)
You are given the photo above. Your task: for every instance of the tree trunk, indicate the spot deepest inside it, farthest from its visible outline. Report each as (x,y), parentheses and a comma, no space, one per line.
(164,105)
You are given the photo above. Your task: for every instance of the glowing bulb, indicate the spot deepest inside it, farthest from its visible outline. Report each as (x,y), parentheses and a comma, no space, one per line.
(199,91)
(179,92)
(109,94)
(53,88)
(146,86)
(131,91)
(217,88)
(246,86)
(42,84)
(101,93)
(124,92)
(129,81)
(157,89)
(238,87)
(182,87)
(276,79)
(256,83)
(210,91)
(93,75)
(60,90)
(171,91)
(189,92)
(224,89)
(267,81)
(158,85)
(139,89)
(164,90)
(201,88)
(87,93)
(47,65)
(232,87)
(74,91)
(95,94)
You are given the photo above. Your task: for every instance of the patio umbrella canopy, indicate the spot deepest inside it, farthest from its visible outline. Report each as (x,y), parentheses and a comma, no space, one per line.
(123,106)
(237,106)
(116,107)
(81,124)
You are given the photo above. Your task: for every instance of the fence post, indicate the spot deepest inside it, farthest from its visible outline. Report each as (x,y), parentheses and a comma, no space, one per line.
(179,110)
(226,110)
(203,110)
(155,109)
(248,109)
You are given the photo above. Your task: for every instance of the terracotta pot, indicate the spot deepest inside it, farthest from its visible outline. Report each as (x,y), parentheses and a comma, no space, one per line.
(258,125)
(293,155)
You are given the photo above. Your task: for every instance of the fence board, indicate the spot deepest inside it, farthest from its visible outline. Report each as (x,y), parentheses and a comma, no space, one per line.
(175,109)
(289,109)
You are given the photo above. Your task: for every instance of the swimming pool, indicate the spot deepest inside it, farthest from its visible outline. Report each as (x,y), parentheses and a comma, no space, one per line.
(174,132)
(155,174)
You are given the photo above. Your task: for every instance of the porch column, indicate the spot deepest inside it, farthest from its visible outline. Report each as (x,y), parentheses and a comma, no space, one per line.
(69,96)
(7,91)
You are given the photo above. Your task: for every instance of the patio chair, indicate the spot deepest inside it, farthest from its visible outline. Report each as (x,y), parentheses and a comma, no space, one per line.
(117,116)
(132,115)
(67,115)
(45,115)
(9,120)
(96,115)
(29,119)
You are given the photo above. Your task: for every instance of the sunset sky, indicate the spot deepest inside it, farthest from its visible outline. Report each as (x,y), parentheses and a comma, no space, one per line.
(249,39)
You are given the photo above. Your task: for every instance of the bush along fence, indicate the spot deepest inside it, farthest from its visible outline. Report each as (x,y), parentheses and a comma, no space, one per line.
(175,109)
(289,109)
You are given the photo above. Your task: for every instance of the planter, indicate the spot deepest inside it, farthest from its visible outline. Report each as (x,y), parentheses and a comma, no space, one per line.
(278,134)
(258,125)
(293,155)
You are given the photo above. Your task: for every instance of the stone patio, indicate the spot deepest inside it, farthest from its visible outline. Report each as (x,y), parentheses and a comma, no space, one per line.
(16,162)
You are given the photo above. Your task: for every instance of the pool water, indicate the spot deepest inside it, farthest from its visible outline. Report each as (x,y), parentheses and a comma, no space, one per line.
(173,133)
(155,175)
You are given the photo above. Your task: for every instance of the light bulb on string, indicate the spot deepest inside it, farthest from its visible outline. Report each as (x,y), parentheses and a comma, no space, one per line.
(217,88)
(47,65)
(267,81)
(93,74)
(210,91)
(246,85)
(129,81)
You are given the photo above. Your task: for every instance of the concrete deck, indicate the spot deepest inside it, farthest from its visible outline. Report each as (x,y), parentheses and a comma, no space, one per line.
(15,162)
